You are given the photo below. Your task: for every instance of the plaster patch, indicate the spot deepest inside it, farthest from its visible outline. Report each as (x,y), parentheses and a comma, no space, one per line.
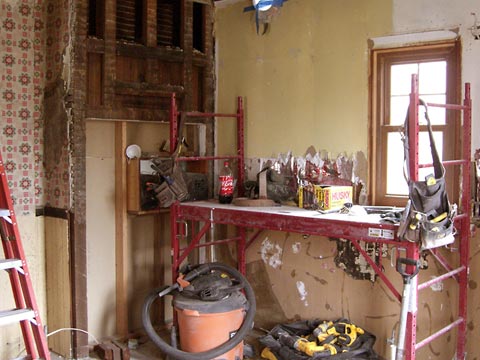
(271,253)
(294,52)
(437,286)
(302,291)
(296,247)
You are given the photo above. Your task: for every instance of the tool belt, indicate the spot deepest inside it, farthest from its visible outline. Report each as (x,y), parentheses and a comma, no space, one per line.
(174,186)
(318,339)
(428,215)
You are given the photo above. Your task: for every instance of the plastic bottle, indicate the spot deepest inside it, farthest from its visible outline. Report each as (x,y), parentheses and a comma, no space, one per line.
(225,182)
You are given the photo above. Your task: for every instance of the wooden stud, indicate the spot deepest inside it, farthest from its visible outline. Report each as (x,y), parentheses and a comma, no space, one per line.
(121,234)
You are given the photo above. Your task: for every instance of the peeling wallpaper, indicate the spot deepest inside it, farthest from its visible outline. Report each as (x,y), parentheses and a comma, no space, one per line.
(31,57)
(57,172)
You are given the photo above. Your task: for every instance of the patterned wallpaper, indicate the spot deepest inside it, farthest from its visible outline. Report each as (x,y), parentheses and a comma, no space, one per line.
(30,56)
(57,179)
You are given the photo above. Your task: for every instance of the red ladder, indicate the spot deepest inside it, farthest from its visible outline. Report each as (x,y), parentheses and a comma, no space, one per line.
(26,311)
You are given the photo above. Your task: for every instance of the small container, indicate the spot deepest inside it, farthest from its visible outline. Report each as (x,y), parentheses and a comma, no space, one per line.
(132,344)
(225,184)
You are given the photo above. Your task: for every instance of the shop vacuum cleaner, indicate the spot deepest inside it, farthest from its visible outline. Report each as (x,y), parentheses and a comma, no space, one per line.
(214,306)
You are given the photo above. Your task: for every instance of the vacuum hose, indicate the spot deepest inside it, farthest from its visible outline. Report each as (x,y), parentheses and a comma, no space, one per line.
(219,350)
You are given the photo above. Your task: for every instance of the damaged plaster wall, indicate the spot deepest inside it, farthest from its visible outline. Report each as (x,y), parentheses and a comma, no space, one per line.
(305,283)
(56,129)
(56,121)
(305,82)
(286,168)
(56,154)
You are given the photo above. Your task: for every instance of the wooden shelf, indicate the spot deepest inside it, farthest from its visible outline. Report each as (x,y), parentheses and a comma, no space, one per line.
(134,187)
(149,212)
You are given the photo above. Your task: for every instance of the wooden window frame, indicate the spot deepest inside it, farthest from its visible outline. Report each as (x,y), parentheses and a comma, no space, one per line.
(381,61)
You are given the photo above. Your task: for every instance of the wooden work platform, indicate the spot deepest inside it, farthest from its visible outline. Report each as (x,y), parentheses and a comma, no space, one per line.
(368,227)
(191,221)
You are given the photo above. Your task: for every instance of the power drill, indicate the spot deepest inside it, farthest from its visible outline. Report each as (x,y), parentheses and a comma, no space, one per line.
(347,333)
(307,347)
(325,333)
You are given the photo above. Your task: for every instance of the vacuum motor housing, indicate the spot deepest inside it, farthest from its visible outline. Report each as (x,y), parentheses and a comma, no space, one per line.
(206,321)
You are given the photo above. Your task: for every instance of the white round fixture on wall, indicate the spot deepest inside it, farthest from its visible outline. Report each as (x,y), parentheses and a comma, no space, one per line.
(133,151)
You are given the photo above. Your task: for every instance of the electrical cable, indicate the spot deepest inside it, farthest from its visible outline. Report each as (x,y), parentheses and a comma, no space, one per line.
(73,329)
(64,329)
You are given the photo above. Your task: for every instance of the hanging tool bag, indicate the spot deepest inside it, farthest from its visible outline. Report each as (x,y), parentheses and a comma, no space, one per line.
(428,215)
(174,186)
(341,340)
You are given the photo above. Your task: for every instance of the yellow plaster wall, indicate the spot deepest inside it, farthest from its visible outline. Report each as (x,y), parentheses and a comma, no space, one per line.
(305,82)
(142,276)
(305,283)
(100,185)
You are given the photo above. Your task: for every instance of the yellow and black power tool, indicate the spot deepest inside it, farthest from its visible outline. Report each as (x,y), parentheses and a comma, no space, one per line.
(342,334)
(311,348)
(325,333)
(316,339)
(347,333)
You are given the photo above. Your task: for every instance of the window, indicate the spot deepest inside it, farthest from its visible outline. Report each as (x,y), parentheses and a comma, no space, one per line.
(437,68)
(198,26)
(129,20)
(96,18)
(168,22)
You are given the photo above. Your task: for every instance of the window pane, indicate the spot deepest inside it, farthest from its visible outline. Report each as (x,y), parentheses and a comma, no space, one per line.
(425,154)
(398,109)
(437,114)
(432,78)
(401,78)
(396,184)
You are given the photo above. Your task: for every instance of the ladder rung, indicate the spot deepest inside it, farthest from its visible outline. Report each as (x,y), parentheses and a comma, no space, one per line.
(442,277)
(16,315)
(439,333)
(7,264)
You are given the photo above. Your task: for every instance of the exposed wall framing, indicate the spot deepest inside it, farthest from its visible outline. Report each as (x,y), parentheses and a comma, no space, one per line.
(139,52)
(129,56)
(77,140)
(168,23)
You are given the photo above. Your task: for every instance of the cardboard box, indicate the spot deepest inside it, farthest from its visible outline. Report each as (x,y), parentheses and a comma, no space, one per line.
(324,197)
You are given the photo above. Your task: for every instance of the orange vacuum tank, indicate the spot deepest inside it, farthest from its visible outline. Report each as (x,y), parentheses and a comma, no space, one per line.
(204,325)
